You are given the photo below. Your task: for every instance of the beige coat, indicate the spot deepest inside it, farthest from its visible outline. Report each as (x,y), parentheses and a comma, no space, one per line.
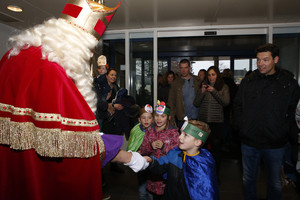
(176,100)
(211,104)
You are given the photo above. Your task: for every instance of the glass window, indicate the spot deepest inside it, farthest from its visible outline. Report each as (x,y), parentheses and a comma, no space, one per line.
(241,67)
(141,70)
(162,66)
(224,63)
(254,64)
(289,45)
(114,50)
(206,51)
(202,64)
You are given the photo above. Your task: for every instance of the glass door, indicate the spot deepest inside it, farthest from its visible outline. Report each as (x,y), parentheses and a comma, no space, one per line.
(141,68)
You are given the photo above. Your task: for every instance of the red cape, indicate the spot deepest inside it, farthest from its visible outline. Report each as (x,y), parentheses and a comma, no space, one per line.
(49,142)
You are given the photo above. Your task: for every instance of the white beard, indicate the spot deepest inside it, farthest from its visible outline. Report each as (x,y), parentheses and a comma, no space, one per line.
(66,45)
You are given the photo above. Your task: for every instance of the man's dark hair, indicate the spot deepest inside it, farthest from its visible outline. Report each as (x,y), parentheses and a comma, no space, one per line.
(185,61)
(272,48)
(205,73)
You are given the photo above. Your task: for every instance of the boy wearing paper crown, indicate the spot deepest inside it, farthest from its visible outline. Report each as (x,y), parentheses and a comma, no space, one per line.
(102,88)
(136,138)
(190,169)
(138,131)
(100,81)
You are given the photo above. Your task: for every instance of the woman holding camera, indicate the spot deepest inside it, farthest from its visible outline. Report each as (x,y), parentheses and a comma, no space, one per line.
(211,97)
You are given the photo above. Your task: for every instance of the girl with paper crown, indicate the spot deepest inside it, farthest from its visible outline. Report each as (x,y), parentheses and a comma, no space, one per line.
(159,139)
(136,138)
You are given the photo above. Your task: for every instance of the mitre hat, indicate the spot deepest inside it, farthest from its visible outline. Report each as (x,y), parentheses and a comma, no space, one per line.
(88,15)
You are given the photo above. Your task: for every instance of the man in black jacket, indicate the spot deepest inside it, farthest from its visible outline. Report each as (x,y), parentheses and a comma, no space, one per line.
(264,110)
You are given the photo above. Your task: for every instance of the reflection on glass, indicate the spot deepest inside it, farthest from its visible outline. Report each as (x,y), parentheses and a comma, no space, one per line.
(224,64)
(162,66)
(141,70)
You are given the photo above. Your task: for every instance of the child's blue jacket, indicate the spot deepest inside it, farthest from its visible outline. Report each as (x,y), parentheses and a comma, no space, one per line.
(195,178)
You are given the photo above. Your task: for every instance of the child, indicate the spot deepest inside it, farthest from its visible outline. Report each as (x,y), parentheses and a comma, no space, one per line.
(138,131)
(100,82)
(159,139)
(190,170)
(102,88)
(135,140)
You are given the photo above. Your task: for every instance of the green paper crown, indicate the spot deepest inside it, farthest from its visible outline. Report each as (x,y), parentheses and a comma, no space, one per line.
(196,132)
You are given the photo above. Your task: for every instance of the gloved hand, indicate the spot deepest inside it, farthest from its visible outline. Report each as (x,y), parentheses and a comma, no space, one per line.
(137,162)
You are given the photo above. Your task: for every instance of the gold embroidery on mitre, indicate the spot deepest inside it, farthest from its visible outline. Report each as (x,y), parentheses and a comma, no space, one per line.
(47,117)
(50,142)
(85,15)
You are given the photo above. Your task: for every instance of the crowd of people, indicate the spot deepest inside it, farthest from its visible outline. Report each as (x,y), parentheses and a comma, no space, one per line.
(258,115)
(59,126)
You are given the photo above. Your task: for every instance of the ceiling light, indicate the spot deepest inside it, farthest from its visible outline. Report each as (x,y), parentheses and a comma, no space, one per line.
(14,8)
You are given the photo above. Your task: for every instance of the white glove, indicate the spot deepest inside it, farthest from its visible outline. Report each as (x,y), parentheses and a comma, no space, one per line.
(137,162)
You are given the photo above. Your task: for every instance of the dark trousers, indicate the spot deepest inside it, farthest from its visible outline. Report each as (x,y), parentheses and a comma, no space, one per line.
(214,142)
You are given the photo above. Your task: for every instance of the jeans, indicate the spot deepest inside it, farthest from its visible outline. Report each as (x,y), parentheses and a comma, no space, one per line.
(143,192)
(272,159)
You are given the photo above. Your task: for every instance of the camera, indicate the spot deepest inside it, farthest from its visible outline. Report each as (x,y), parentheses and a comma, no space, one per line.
(205,83)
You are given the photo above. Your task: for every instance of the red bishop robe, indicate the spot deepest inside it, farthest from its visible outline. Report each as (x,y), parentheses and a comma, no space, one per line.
(50,147)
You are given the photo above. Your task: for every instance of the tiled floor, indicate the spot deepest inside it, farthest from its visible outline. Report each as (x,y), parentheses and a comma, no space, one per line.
(123,186)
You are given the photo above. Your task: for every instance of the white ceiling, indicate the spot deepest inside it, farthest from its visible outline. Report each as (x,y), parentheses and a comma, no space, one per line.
(136,14)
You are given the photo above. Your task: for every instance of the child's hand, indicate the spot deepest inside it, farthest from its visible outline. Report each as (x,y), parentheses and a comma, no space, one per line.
(154,145)
(159,144)
(148,159)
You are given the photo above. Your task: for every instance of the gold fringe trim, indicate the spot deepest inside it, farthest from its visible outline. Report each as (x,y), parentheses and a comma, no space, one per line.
(47,117)
(50,142)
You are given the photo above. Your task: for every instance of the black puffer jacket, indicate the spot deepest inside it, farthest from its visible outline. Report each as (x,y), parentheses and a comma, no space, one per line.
(264,109)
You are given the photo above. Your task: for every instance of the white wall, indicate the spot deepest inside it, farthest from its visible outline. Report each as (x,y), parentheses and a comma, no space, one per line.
(5,33)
